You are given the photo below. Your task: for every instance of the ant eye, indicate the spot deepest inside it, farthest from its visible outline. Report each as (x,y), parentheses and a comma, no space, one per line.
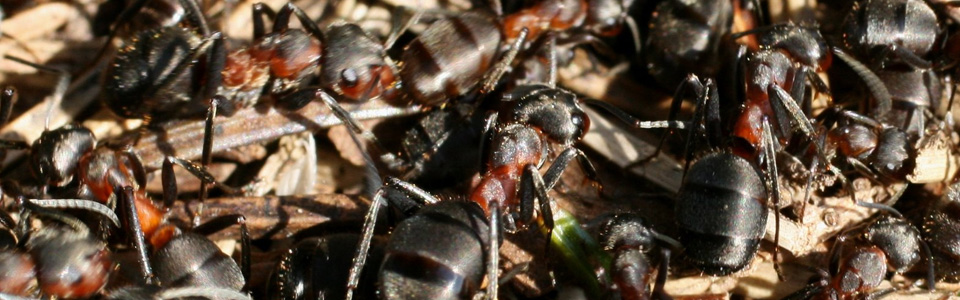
(348,77)
(582,122)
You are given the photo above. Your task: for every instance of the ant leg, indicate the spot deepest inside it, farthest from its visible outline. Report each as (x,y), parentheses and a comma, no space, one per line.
(633,121)
(818,85)
(205,156)
(407,197)
(705,122)
(864,170)
(583,38)
(366,236)
(493,251)
(486,138)
(634,32)
(788,113)
(216,60)
(198,171)
(492,77)
(552,176)
(259,10)
(552,58)
(773,188)
(658,290)
(195,15)
(124,17)
(691,83)
(134,231)
(533,190)
(758,12)
(282,21)
(169,182)
(879,91)
(63,83)
(185,62)
(856,117)
(497,8)
(222,222)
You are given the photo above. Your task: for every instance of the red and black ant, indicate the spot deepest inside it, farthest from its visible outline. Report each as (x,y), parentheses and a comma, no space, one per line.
(886,243)
(63,258)
(530,120)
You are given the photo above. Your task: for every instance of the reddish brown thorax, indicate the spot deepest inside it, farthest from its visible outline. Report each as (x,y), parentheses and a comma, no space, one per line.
(853,140)
(243,72)
(756,106)
(545,15)
(500,182)
(105,169)
(288,53)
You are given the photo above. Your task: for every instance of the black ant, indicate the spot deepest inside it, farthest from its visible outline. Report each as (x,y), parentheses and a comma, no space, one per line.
(629,239)
(156,74)
(877,150)
(531,119)
(63,260)
(296,277)
(886,243)
(721,217)
(895,72)
(684,38)
(940,224)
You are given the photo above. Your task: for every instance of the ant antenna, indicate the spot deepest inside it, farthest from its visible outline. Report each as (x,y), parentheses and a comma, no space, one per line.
(63,83)
(552,40)
(876,87)
(203,292)
(774,184)
(83,204)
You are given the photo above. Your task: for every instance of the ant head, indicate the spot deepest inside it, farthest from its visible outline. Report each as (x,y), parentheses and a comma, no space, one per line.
(555,112)
(354,65)
(804,44)
(626,230)
(56,153)
(898,239)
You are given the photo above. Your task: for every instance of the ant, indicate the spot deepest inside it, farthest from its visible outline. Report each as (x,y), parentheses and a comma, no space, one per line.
(530,120)
(721,206)
(629,239)
(183,261)
(604,18)
(939,225)
(870,146)
(295,275)
(156,74)
(887,242)
(684,38)
(279,63)
(896,73)
(63,260)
